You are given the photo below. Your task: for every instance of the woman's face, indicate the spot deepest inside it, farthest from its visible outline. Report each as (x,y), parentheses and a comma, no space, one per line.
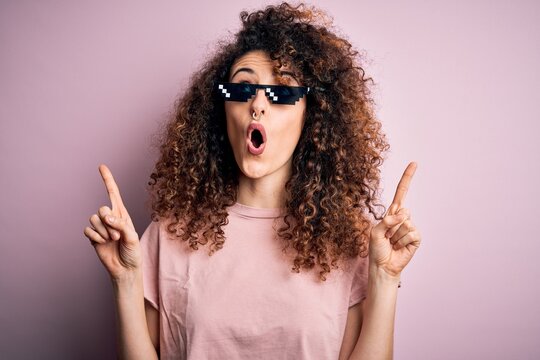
(281,123)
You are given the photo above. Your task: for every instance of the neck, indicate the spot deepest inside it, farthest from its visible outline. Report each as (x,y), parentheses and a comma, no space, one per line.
(265,192)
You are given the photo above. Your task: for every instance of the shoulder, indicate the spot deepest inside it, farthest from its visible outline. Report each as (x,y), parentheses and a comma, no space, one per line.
(162,227)
(155,237)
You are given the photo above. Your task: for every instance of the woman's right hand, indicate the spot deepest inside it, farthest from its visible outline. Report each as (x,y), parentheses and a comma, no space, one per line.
(116,243)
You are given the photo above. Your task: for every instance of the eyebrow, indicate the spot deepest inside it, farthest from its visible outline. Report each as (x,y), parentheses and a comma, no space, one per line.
(250,71)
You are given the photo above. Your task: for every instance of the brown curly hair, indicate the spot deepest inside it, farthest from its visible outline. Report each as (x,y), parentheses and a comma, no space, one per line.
(335,175)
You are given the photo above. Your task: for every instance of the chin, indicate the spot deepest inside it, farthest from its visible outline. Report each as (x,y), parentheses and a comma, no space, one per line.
(254,170)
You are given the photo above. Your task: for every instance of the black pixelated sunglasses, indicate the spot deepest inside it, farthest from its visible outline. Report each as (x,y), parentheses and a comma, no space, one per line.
(278,94)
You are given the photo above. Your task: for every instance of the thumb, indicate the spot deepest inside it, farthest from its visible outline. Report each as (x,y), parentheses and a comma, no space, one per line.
(121,225)
(388,222)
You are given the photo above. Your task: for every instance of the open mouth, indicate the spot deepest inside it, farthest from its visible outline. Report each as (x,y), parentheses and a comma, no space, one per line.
(256,138)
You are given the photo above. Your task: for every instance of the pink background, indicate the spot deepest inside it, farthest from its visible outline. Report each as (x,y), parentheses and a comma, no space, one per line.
(86,82)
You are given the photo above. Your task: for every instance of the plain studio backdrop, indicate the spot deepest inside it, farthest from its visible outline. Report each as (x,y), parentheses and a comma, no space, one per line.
(89,82)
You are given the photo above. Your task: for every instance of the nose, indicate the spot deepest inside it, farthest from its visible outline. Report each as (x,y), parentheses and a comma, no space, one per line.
(260,103)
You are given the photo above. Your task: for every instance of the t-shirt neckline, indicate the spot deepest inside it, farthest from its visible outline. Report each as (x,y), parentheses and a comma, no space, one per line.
(254,212)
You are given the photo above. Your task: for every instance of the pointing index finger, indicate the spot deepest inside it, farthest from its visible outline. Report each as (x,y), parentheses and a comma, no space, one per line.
(112,189)
(403,186)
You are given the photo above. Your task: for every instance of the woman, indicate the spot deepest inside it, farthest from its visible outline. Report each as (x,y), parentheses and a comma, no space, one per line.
(272,164)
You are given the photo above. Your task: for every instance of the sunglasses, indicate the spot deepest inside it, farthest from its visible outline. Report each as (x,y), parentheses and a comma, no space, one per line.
(278,94)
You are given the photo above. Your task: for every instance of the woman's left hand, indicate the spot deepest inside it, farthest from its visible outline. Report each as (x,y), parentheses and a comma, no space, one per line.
(395,239)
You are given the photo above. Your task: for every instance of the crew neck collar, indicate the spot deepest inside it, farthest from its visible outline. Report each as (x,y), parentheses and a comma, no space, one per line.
(254,212)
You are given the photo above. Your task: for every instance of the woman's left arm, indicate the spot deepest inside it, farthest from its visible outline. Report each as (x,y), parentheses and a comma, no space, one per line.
(393,243)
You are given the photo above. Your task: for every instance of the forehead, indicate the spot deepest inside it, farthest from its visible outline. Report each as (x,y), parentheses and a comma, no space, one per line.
(257,60)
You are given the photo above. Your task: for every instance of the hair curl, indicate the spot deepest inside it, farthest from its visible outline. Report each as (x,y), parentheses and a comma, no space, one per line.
(335,175)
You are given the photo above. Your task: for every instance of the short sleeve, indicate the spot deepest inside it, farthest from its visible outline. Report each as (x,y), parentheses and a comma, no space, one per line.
(150,255)
(359,281)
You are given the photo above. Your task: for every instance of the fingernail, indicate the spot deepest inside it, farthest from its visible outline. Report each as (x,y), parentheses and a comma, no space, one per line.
(110,219)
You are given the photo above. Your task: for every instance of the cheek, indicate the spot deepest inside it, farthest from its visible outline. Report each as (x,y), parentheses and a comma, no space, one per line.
(233,126)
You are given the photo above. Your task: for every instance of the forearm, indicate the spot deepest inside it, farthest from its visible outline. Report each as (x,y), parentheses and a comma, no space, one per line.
(133,339)
(376,340)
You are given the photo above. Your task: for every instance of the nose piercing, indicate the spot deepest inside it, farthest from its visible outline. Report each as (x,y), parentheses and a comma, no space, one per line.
(254,116)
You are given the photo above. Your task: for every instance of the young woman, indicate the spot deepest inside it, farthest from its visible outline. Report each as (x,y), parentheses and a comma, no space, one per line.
(271,164)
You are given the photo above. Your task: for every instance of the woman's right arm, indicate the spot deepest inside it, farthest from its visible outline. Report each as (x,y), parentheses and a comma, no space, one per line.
(118,247)
(134,341)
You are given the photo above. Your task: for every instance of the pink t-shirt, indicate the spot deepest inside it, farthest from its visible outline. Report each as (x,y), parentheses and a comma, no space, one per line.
(244,302)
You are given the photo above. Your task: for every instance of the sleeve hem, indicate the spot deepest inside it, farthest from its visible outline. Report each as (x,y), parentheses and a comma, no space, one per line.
(152,302)
(359,300)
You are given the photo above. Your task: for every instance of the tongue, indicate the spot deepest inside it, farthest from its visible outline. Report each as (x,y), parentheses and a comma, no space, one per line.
(256,138)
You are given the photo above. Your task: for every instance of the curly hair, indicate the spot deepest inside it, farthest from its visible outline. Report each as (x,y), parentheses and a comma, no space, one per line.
(335,166)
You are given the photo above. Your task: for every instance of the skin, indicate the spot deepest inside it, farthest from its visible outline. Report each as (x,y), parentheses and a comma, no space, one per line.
(392,246)
(393,241)
(117,245)
(263,177)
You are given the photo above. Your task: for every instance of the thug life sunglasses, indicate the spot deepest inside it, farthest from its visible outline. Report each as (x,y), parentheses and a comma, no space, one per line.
(278,94)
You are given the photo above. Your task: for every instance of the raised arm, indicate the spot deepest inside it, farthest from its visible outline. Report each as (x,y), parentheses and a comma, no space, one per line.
(117,245)
(393,243)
